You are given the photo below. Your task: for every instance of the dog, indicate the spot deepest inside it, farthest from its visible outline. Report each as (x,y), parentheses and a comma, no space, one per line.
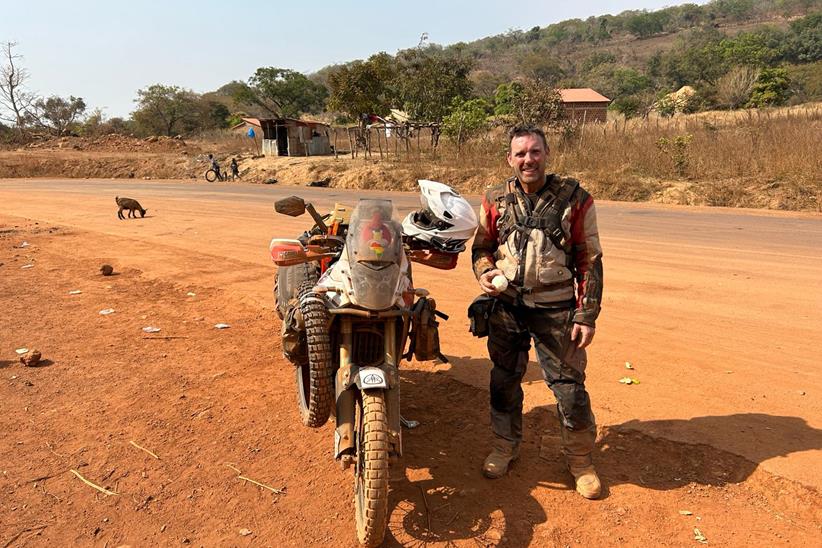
(131,205)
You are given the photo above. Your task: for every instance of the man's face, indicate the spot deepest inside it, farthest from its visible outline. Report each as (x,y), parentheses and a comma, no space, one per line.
(528,158)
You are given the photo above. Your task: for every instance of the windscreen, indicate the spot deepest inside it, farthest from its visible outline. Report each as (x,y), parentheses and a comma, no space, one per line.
(374,248)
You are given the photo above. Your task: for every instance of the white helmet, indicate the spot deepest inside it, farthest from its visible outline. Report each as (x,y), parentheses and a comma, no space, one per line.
(446,219)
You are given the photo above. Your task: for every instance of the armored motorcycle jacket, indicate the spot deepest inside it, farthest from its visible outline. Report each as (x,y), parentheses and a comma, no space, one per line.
(546,245)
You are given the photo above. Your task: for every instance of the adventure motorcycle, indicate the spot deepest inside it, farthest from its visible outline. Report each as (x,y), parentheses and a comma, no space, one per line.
(349,309)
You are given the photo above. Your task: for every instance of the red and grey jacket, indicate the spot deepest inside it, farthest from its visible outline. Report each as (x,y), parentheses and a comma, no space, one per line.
(548,250)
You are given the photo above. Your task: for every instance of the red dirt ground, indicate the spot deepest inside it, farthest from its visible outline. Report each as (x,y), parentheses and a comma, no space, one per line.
(203,398)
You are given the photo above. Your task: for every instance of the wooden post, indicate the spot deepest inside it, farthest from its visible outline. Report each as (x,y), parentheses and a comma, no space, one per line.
(335,143)
(379,142)
(350,142)
(419,150)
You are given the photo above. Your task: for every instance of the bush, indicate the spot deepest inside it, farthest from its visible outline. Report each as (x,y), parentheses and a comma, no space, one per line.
(466,119)
(676,150)
(772,88)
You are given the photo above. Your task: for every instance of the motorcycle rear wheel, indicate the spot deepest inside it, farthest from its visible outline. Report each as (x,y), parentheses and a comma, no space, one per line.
(211,175)
(371,470)
(315,379)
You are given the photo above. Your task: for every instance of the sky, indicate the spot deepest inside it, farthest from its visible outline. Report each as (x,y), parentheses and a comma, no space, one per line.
(104,51)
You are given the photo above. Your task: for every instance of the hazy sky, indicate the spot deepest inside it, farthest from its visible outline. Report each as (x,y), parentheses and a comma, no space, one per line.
(104,51)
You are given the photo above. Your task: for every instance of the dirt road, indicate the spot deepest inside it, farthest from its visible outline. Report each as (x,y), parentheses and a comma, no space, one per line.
(715,309)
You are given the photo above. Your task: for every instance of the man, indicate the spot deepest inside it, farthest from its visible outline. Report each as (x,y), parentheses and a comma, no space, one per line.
(537,256)
(215,165)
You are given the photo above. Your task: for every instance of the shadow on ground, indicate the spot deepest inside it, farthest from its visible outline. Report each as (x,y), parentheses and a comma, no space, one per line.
(444,498)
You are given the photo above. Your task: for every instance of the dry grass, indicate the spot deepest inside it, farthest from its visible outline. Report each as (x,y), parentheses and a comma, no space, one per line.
(763,159)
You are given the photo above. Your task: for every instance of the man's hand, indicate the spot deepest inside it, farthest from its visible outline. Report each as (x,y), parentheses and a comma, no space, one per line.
(585,334)
(485,282)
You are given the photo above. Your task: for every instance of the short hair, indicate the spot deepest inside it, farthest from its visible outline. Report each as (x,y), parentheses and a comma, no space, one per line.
(521,130)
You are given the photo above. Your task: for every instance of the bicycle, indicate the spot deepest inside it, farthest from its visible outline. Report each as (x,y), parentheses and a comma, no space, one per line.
(212,175)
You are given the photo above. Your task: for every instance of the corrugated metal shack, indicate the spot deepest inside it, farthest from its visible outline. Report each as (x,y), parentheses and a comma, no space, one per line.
(292,137)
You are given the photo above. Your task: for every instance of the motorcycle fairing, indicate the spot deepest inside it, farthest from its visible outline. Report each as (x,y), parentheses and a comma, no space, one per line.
(372,271)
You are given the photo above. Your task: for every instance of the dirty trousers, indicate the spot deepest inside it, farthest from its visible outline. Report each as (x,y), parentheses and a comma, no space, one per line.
(511,328)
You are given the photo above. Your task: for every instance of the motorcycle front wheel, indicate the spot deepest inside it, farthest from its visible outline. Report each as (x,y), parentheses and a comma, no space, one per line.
(371,470)
(315,379)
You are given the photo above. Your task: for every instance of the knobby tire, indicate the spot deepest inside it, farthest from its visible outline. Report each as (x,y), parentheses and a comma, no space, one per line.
(371,473)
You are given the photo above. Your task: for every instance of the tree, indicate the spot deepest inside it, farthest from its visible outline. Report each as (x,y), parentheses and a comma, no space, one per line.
(14,97)
(697,59)
(734,88)
(57,115)
(466,119)
(805,44)
(537,103)
(541,66)
(282,92)
(427,82)
(504,98)
(363,87)
(165,110)
(772,88)
(646,24)
(763,47)
(213,114)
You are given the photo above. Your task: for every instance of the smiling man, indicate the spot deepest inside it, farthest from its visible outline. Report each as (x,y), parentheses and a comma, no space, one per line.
(538,261)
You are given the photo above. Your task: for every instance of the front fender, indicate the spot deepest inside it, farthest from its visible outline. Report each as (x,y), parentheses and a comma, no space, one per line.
(385,378)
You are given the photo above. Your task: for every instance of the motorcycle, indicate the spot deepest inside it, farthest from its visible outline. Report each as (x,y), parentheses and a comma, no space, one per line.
(349,310)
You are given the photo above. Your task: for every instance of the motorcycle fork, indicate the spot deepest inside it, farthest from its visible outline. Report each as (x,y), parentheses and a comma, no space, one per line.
(347,391)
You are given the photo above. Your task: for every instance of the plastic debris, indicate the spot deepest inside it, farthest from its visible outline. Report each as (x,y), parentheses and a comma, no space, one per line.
(75,292)
(628,365)
(27,266)
(685,513)
(107,311)
(21,351)
(151,329)
(190,294)
(628,380)
(221,326)
(245,532)
(24,244)
(699,537)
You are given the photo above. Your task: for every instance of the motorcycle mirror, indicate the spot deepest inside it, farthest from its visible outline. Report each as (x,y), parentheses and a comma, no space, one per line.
(293,206)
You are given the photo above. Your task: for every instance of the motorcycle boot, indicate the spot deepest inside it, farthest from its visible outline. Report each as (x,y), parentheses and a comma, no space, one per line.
(503,453)
(578,446)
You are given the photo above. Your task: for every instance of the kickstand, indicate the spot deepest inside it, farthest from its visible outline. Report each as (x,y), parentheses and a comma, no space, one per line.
(410,424)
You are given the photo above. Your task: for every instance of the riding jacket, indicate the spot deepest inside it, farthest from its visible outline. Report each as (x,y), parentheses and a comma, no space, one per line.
(546,245)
